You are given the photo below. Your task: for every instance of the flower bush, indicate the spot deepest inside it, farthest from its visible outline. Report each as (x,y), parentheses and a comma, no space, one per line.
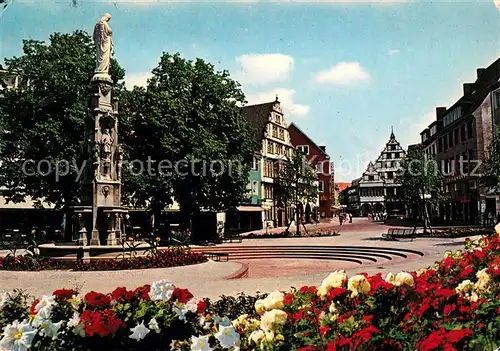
(161,259)
(311,233)
(453,305)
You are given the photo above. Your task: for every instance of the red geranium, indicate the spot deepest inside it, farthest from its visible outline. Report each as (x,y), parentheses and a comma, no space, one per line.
(202,306)
(100,323)
(32,308)
(142,292)
(182,295)
(64,293)
(95,299)
(122,294)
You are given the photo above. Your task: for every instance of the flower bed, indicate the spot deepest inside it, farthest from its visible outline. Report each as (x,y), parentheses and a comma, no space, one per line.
(311,233)
(160,259)
(453,305)
(458,232)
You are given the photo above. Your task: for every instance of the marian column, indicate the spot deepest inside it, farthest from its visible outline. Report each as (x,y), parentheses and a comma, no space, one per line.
(102,132)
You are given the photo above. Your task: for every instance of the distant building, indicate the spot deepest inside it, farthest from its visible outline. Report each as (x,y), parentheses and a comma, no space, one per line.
(271,130)
(349,197)
(377,189)
(320,160)
(458,140)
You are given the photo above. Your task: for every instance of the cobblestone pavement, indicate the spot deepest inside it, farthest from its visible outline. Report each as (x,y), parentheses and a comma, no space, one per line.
(207,280)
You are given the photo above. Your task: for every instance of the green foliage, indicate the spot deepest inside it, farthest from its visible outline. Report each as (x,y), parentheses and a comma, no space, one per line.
(297,179)
(490,167)
(419,176)
(43,118)
(186,119)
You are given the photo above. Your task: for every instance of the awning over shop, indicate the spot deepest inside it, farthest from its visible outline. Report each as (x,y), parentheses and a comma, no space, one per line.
(250,209)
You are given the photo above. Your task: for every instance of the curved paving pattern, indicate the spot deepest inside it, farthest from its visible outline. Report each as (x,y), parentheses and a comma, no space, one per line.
(356,254)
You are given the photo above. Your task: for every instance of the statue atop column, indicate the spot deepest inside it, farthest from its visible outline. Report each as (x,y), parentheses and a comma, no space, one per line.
(104,45)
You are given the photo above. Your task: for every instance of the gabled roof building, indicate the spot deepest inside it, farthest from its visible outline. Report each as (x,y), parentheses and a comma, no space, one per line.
(377,189)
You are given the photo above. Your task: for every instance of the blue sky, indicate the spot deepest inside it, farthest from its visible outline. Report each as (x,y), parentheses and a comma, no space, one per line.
(345,71)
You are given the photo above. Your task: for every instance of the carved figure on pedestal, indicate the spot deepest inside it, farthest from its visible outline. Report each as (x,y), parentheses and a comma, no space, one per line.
(106,143)
(104,44)
(119,163)
(95,159)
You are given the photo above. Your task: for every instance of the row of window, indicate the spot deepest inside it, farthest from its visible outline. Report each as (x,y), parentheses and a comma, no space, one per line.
(461,164)
(393,191)
(460,188)
(392,155)
(277,132)
(386,175)
(278,149)
(452,116)
(388,164)
(456,136)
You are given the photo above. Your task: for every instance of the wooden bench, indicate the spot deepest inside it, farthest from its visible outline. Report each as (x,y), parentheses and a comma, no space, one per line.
(396,233)
(216,256)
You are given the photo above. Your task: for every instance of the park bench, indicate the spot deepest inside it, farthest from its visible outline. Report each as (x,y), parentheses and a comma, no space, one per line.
(395,234)
(216,256)
(13,238)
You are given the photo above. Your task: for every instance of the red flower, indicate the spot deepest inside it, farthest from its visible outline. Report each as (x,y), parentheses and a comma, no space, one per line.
(288,299)
(122,294)
(100,323)
(308,348)
(142,292)
(182,295)
(324,330)
(336,292)
(202,306)
(32,308)
(433,341)
(95,299)
(64,293)
(368,318)
(454,336)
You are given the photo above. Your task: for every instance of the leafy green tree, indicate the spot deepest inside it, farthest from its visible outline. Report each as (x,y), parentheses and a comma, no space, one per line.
(189,123)
(297,183)
(421,181)
(490,167)
(43,118)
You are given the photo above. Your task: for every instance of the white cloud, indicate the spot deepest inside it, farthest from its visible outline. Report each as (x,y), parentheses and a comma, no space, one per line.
(497,3)
(393,51)
(343,73)
(285,96)
(138,78)
(263,68)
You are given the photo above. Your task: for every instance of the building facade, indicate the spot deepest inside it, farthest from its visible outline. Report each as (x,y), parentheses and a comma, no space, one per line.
(377,189)
(320,160)
(271,131)
(459,140)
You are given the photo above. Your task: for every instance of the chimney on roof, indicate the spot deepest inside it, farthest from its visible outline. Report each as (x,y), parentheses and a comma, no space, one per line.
(480,71)
(323,148)
(468,88)
(440,112)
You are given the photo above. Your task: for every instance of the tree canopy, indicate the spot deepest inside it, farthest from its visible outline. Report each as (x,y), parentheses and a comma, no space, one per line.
(188,122)
(420,177)
(297,181)
(43,118)
(490,167)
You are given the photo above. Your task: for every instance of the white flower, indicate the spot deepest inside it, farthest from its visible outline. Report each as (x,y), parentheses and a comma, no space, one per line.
(334,280)
(75,302)
(272,320)
(192,305)
(400,279)
(139,332)
(43,308)
(161,290)
(358,284)
(74,325)
(272,301)
(228,337)
(222,321)
(180,313)
(4,299)
(153,325)
(200,343)
(17,336)
(256,336)
(50,330)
